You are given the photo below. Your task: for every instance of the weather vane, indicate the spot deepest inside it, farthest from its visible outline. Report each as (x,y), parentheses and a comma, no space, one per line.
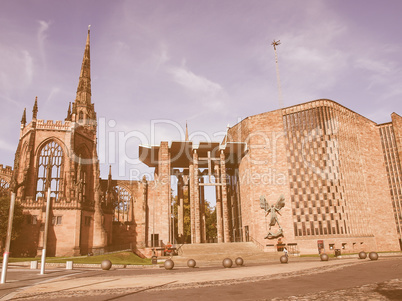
(276,43)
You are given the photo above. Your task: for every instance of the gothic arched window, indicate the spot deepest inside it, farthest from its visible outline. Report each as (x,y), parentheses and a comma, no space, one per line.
(121,212)
(4,185)
(50,163)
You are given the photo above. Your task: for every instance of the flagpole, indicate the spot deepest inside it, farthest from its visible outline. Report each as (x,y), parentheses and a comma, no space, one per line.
(276,43)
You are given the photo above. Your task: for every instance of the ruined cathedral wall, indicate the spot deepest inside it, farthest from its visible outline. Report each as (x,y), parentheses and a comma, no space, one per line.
(84,148)
(30,153)
(62,236)
(131,229)
(28,240)
(6,174)
(152,207)
(137,226)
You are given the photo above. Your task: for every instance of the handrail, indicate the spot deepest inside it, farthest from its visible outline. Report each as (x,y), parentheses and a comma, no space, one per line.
(179,250)
(257,243)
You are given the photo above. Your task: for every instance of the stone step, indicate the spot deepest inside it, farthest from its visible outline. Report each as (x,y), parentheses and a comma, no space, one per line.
(214,253)
(219,248)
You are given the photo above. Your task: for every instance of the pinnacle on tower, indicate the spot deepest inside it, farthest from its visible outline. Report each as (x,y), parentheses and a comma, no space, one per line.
(24,117)
(68,118)
(35,109)
(186,138)
(109,180)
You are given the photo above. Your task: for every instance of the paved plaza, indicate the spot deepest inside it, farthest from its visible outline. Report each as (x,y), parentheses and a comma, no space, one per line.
(300,279)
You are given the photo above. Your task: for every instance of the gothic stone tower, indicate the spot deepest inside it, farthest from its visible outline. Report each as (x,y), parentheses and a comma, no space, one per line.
(62,156)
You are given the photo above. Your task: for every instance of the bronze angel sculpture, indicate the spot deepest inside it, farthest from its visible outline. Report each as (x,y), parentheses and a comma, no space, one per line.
(272,211)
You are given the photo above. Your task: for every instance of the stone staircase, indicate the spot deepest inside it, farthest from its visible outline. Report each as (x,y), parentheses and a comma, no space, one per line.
(214,253)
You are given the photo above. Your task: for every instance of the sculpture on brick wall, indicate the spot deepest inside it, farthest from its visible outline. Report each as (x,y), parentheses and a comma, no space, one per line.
(272,212)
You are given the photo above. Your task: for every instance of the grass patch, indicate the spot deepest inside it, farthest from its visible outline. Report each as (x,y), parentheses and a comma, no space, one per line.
(115,258)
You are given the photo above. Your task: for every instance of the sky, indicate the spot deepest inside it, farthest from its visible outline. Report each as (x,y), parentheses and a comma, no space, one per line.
(157,64)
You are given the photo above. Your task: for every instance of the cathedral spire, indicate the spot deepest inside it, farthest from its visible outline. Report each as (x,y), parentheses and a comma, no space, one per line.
(84,85)
(83,110)
(35,109)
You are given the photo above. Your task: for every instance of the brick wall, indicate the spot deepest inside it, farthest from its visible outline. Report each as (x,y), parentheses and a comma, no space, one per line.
(328,163)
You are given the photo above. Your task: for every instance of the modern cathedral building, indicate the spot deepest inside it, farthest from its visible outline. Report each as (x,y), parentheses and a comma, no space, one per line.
(315,176)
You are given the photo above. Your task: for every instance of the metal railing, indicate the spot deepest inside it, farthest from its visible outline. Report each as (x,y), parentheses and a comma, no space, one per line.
(257,243)
(179,250)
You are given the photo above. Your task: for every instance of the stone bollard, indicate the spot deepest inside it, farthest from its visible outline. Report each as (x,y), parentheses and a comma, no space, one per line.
(69,265)
(373,255)
(34,265)
(239,261)
(106,265)
(169,264)
(283,259)
(362,255)
(227,263)
(324,257)
(191,263)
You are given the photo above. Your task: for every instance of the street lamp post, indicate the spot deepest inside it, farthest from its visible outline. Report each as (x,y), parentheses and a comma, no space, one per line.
(8,239)
(43,261)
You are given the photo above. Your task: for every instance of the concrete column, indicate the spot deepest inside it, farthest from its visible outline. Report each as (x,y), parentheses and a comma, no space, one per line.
(196,200)
(171,232)
(218,190)
(180,207)
(192,215)
(185,193)
(225,209)
(162,214)
(202,211)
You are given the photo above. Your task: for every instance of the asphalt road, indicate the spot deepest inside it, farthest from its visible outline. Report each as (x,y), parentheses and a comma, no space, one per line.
(351,280)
